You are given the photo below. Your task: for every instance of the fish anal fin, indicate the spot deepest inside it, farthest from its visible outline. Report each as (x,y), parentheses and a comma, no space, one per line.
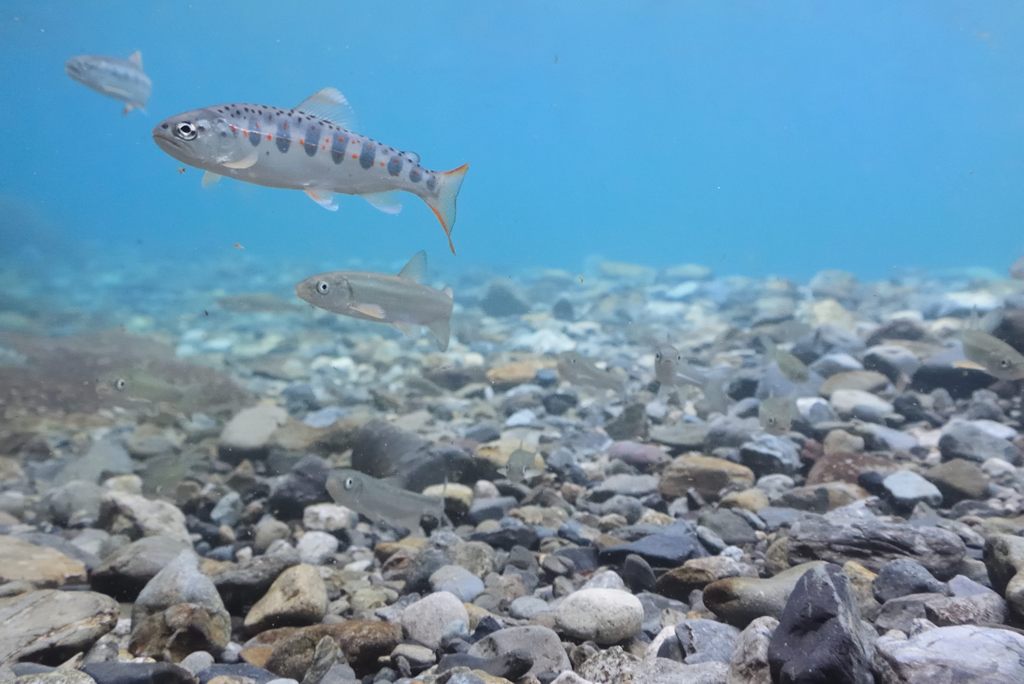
(443,205)
(136,58)
(373,311)
(330,104)
(416,268)
(325,198)
(404,328)
(387,202)
(441,330)
(244,162)
(211,178)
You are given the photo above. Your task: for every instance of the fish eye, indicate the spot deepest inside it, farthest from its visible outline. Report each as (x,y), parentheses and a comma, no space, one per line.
(120,384)
(349,483)
(657,356)
(185,130)
(323,288)
(1004,363)
(772,420)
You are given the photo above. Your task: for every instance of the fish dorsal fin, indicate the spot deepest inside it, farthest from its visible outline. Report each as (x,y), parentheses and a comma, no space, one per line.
(330,104)
(416,269)
(448,292)
(211,178)
(136,58)
(387,202)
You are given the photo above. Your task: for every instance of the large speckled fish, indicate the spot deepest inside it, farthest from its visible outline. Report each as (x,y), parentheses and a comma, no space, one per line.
(308,148)
(121,79)
(399,300)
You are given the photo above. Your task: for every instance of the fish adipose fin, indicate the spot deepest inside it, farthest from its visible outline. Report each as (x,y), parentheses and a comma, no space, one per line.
(325,198)
(136,58)
(387,202)
(211,178)
(443,205)
(330,104)
(416,269)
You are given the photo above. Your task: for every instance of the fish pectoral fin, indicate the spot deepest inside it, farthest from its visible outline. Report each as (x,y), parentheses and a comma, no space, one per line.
(404,328)
(416,268)
(330,104)
(387,202)
(211,178)
(441,330)
(136,58)
(325,198)
(243,163)
(374,311)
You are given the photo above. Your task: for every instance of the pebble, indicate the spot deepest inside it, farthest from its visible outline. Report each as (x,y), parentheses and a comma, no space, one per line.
(458,581)
(298,596)
(315,547)
(434,618)
(605,616)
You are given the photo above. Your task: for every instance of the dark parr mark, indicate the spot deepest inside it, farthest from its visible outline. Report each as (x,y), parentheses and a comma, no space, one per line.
(416,175)
(367,155)
(338,146)
(431,182)
(254,132)
(312,140)
(395,165)
(281,137)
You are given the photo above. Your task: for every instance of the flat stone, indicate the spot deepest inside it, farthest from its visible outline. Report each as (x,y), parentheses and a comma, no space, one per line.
(966,653)
(126,571)
(435,617)
(457,580)
(41,566)
(958,480)
(708,475)
(970,442)
(137,673)
(697,573)
(768,454)
(248,432)
(905,489)
(705,641)
(137,516)
(51,626)
(541,643)
(853,402)
(863,380)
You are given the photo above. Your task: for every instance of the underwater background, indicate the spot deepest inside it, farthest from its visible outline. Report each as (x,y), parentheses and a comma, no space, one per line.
(754,138)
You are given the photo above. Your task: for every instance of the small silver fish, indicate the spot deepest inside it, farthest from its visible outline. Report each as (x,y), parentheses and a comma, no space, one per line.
(381,501)
(579,370)
(1017,269)
(793,368)
(670,369)
(519,462)
(121,79)
(997,357)
(776,414)
(399,300)
(308,147)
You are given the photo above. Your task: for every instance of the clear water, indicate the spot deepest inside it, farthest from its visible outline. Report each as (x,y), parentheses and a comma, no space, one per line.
(752,137)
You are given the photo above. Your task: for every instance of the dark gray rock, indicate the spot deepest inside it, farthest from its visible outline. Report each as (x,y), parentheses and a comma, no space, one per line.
(501,300)
(873,543)
(905,489)
(138,673)
(968,441)
(51,626)
(630,424)
(126,571)
(951,655)
(767,454)
(303,486)
(704,641)
(729,525)
(904,576)
(241,586)
(820,637)
(541,644)
(659,550)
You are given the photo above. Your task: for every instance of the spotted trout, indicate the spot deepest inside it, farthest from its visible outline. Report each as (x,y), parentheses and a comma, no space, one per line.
(308,148)
(399,300)
(121,79)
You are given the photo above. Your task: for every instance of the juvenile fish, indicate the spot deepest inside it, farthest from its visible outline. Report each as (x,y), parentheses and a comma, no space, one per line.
(399,300)
(308,148)
(997,357)
(579,370)
(519,462)
(381,501)
(793,368)
(131,386)
(670,369)
(121,79)
(776,414)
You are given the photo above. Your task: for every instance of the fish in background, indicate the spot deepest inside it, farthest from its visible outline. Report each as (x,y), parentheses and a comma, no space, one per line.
(776,414)
(998,358)
(1017,269)
(121,79)
(309,147)
(381,501)
(398,300)
(519,465)
(579,370)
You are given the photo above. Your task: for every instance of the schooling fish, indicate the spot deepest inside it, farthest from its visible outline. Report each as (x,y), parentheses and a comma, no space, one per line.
(776,414)
(580,370)
(670,368)
(381,501)
(121,79)
(519,463)
(398,300)
(308,148)
(793,368)
(997,357)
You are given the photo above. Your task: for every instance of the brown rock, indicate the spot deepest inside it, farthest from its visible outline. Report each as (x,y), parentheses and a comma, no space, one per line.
(506,375)
(42,566)
(706,474)
(958,479)
(846,466)
(297,596)
(52,625)
(362,642)
(697,573)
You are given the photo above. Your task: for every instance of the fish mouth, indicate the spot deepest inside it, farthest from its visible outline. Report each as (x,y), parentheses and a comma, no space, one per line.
(170,144)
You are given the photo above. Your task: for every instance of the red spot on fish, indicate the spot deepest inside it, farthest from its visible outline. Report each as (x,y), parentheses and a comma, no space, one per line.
(302,141)
(270,136)
(234,129)
(355,156)
(382,163)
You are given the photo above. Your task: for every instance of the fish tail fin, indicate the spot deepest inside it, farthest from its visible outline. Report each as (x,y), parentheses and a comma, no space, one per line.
(441,330)
(443,205)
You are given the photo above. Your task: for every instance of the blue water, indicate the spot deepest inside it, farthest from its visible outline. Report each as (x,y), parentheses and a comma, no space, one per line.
(753,137)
